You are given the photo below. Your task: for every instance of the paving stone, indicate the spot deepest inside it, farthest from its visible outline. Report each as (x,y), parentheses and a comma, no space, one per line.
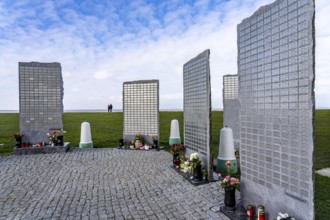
(102,184)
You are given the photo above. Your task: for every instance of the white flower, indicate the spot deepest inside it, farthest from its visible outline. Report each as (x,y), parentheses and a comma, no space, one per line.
(194,156)
(186,169)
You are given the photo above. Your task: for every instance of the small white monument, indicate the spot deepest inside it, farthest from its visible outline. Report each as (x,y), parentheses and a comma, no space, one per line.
(85,136)
(175,133)
(226,152)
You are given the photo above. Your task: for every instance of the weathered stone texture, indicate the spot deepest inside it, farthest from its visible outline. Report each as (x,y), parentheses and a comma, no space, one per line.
(197,107)
(41,100)
(231,106)
(276,69)
(141,109)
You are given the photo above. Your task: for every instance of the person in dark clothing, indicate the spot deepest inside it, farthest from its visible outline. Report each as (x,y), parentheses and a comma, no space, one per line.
(110,107)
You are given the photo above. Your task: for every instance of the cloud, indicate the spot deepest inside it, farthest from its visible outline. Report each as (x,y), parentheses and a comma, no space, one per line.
(102,44)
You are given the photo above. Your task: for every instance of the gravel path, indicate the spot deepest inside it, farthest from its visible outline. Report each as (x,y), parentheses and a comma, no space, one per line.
(102,184)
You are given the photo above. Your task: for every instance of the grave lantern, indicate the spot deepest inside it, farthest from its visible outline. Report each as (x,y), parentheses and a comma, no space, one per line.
(85,136)
(226,152)
(175,133)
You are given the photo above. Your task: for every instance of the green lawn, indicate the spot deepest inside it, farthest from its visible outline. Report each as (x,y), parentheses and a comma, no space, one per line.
(107,128)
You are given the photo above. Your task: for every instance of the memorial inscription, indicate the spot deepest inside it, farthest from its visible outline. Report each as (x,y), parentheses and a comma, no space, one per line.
(197,108)
(276,70)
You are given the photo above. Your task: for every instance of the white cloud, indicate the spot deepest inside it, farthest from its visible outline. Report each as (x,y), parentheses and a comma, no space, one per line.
(141,41)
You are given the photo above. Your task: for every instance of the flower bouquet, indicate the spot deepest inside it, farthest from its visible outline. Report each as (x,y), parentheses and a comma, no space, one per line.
(138,141)
(196,166)
(176,150)
(229,184)
(56,136)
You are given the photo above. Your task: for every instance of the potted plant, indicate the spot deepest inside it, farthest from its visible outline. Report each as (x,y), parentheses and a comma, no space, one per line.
(176,150)
(18,137)
(138,141)
(230,184)
(56,137)
(52,137)
(59,137)
(196,166)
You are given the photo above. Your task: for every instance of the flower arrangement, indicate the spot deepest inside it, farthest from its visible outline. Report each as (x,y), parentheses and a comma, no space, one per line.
(18,135)
(139,137)
(138,141)
(194,160)
(60,132)
(185,166)
(229,182)
(177,148)
(54,134)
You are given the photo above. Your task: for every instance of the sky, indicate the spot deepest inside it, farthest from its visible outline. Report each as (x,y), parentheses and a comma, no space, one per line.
(101,44)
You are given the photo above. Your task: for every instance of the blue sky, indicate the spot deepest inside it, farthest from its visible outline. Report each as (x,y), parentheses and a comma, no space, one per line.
(101,44)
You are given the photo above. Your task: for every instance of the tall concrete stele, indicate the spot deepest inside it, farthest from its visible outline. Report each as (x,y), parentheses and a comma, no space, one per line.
(141,109)
(231,106)
(276,59)
(40,100)
(197,109)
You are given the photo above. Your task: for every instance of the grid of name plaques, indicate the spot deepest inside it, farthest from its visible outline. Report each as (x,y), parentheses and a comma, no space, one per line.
(41,94)
(141,107)
(276,83)
(230,87)
(196,78)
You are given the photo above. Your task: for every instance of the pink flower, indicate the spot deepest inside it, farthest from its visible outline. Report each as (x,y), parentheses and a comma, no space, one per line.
(219,174)
(228,163)
(227,178)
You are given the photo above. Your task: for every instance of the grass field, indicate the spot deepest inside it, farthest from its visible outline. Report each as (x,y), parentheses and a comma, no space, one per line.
(107,128)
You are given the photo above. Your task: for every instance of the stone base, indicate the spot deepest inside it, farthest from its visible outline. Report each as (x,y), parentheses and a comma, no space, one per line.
(86,145)
(174,141)
(128,148)
(42,150)
(190,178)
(239,213)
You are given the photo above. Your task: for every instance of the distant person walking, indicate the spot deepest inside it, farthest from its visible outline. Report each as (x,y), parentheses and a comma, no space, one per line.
(110,108)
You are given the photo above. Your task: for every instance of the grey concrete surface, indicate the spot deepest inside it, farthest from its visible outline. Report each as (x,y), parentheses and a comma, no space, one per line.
(197,108)
(276,54)
(41,94)
(102,184)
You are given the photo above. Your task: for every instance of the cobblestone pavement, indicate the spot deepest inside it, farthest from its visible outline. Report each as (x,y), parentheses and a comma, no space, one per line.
(102,184)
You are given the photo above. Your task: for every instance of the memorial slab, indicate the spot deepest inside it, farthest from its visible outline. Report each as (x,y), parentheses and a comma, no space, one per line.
(197,108)
(276,72)
(141,109)
(40,100)
(231,106)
